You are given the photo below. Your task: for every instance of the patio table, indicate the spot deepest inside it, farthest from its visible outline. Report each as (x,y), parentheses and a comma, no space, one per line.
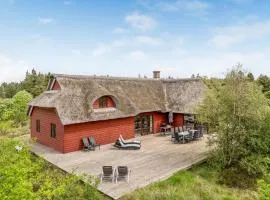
(165,129)
(183,134)
(193,131)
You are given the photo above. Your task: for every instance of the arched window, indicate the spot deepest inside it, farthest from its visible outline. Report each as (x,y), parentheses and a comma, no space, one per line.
(104,102)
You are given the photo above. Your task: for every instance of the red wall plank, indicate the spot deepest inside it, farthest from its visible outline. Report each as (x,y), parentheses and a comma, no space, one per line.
(178,119)
(56,86)
(46,117)
(104,132)
(158,119)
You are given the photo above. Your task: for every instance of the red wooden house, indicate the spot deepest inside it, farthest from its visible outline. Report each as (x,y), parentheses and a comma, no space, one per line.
(105,107)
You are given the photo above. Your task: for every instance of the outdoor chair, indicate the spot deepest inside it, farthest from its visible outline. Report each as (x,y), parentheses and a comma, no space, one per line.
(176,138)
(184,128)
(122,172)
(93,143)
(132,146)
(196,135)
(86,144)
(173,130)
(201,131)
(131,142)
(180,129)
(107,173)
(188,137)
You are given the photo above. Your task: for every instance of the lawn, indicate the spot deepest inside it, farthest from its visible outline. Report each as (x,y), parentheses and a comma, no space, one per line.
(198,183)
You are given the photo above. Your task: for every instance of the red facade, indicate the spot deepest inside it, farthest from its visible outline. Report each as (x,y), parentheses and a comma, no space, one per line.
(69,137)
(104,132)
(56,86)
(178,119)
(46,117)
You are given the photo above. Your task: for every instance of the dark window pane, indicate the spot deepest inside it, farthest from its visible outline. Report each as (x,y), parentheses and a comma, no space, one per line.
(53,130)
(38,126)
(103,102)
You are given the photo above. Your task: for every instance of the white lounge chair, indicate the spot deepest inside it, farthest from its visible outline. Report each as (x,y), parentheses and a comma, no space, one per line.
(131,142)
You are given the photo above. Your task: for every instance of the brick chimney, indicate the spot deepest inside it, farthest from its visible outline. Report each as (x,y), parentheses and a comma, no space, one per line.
(156,74)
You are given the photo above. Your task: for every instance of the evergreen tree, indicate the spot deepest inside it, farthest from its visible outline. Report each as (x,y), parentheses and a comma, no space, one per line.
(250,76)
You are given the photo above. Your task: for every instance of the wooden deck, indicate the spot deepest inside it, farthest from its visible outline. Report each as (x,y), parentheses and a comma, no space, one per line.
(158,159)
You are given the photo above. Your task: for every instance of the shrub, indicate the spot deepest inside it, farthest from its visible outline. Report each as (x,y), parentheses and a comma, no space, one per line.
(25,176)
(239,113)
(264,190)
(5,127)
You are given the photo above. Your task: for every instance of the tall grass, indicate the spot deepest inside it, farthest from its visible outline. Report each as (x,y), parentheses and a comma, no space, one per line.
(195,184)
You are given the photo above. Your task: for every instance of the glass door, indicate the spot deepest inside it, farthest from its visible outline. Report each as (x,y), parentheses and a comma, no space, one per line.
(143,124)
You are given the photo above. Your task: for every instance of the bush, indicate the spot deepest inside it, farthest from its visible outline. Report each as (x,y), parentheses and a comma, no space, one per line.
(236,177)
(239,113)
(5,127)
(25,176)
(264,190)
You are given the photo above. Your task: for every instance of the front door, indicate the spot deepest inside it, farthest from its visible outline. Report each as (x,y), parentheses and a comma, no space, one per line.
(143,124)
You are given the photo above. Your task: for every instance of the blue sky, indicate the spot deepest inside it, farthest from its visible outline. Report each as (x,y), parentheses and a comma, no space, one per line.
(127,38)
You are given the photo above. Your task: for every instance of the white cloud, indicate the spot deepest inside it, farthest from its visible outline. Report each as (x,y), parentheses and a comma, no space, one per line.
(193,7)
(76,52)
(119,43)
(148,40)
(228,35)
(12,70)
(45,20)
(138,55)
(119,30)
(67,3)
(101,50)
(141,22)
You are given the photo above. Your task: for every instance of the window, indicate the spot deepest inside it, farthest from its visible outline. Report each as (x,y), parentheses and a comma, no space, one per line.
(53,130)
(38,125)
(103,102)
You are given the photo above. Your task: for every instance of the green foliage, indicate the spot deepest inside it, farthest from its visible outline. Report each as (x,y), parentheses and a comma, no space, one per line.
(5,127)
(198,183)
(239,113)
(8,90)
(19,106)
(34,83)
(264,190)
(250,76)
(264,81)
(24,176)
(13,113)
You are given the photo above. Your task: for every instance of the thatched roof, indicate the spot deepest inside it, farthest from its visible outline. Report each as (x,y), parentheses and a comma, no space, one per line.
(74,101)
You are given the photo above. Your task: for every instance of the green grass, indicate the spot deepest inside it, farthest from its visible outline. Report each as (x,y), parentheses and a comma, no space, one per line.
(26,176)
(198,183)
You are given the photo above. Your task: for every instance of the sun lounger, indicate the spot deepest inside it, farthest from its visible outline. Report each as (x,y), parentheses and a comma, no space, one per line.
(131,142)
(120,145)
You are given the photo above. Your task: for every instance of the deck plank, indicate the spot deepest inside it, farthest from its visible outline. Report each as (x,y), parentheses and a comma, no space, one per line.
(158,159)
